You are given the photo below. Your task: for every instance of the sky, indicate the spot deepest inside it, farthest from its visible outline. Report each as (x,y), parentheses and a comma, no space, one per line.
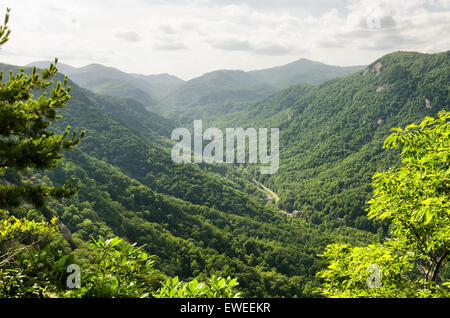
(188,38)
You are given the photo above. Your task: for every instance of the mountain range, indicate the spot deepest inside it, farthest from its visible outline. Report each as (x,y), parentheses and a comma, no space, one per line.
(214,93)
(202,219)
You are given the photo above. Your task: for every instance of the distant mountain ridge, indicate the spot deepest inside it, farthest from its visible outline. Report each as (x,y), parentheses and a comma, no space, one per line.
(209,95)
(220,92)
(105,80)
(302,71)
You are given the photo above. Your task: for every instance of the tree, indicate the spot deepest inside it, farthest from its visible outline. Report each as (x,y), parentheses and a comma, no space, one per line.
(415,199)
(25,142)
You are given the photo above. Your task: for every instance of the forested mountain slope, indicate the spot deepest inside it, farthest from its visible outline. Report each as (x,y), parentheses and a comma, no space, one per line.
(268,112)
(214,93)
(332,136)
(271,257)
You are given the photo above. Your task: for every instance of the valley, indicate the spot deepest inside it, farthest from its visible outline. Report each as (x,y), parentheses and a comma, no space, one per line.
(203,219)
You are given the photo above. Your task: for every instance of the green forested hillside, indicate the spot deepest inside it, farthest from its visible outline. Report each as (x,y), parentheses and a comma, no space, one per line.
(214,94)
(115,140)
(269,112)
(134,115)
(331,137)
(271,257)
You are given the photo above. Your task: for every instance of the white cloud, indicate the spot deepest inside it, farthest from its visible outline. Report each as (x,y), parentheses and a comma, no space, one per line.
(169,44)
(190,37)
(232,45)
(129,36)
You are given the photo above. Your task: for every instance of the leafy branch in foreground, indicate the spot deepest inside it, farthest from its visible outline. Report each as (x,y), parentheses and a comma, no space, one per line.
(215,287)
(17,235)
(120,269)
(414,198)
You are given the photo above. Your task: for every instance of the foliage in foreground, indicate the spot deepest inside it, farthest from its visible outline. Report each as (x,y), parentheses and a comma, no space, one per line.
(120,269)
(114,269)
(17,238)
(414,198)
(215,287)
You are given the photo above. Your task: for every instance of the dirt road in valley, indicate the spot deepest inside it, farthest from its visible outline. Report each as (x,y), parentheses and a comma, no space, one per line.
(270,193)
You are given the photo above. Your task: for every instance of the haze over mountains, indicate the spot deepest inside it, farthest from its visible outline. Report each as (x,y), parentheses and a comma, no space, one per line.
(204,219)
(213,93)
(110,81)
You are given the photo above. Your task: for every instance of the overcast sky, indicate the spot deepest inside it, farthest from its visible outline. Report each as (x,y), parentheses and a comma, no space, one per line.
(187,38)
